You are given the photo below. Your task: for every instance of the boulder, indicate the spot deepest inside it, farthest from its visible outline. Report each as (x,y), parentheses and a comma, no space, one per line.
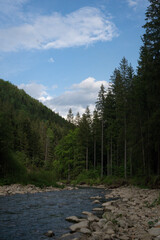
(78,226)
(93,218)
(85,231)
(155,231)
(49,233)
(74,219)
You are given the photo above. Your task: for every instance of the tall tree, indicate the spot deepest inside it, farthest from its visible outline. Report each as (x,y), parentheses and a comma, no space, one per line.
(100,106)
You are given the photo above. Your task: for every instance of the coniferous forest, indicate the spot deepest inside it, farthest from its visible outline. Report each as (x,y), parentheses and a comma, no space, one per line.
(120,139)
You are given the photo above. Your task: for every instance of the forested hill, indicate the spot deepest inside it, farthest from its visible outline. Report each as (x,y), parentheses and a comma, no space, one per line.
(16,100)
(29,131)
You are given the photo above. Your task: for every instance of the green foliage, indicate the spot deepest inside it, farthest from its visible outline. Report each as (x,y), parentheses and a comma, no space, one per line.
(88,177)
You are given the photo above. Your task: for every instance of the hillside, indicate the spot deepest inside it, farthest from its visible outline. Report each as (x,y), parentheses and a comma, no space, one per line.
(29,131)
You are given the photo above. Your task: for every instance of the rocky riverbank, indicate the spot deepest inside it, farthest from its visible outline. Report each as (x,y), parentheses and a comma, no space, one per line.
(20,189)
(128,213)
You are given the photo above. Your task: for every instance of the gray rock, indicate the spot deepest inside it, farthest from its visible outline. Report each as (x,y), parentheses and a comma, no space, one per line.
(97,236)
(74,219)
(102,222)
(85,231)
(78,226)
(93,218)
(95,227)
(154,231)
(49,233)
(109,231)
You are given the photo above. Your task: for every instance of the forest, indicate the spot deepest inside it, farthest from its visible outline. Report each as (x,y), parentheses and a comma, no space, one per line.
(119,140)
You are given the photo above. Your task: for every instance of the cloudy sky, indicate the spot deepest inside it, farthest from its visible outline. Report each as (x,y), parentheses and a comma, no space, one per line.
(61,51)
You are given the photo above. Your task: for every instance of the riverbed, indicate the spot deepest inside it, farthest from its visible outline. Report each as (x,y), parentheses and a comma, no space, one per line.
(30,216)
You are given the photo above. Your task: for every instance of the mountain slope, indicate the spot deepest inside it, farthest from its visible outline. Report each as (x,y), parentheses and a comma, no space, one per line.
(29,131)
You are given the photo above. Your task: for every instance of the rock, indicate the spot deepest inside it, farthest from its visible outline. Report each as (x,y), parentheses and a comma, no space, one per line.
(78,226)
(108,216)
(87,213)
(108,225)
(85,231)
(109,231)
(95,227)
(93,218)
(96,201)
(97,235)
(49,233)
(71,236)
(102,222)
(98,209)
(154,231)
(122,223)
(74,219)
(157,238)
(107,237)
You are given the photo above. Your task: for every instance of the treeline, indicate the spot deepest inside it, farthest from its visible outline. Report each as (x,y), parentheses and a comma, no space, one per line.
(29,132)
(122,136)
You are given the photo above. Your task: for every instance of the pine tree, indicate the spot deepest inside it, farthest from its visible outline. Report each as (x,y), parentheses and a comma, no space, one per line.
(100,106)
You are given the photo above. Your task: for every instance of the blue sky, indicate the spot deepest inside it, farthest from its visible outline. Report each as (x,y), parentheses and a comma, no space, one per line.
(61,51)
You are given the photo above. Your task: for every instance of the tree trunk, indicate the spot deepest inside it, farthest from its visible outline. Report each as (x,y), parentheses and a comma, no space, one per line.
(143,153)
(102,151)
(130,158)
(111,156)
(94,153)
(125,149)
(87,158)
(108,163)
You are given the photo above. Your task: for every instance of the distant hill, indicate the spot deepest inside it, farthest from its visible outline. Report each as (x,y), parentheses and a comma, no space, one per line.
(29,131)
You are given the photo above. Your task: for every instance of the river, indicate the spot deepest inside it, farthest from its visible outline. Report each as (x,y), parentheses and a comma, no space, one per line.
(29,216)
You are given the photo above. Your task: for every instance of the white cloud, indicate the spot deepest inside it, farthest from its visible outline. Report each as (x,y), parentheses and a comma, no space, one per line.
(51,60)
(137,3)
(35,90)
(82,27)
(78,97)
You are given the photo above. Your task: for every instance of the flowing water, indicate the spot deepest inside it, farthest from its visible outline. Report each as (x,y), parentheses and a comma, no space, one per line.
(29,216)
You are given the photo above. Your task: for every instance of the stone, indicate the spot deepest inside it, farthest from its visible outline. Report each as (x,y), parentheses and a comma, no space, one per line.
(95,227)
(102,222)
(107,237)
(93,218)
(154,231)
(85,231)
(97,235)
(96,201)
(78,226)
(87,213)
(98,209)
(49,233)
(108,225)
(109,231)
(74,219)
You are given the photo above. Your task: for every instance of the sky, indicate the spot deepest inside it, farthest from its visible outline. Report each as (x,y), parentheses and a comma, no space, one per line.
(61,51)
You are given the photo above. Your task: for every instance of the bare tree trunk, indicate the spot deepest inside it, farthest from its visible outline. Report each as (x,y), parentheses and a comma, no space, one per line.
(111,156)
(87,158)
(94,153)
(125,149)
(108,163)
(143,154)
(102,151)
(68,172)
(130,158)
(158,164)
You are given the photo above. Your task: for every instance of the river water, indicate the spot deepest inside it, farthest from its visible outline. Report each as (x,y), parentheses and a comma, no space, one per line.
(29,216)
